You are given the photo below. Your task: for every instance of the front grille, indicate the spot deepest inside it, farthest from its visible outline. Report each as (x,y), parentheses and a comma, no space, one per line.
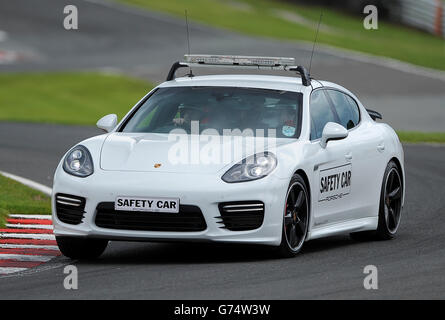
(189,218)
(69,208)
(241,215)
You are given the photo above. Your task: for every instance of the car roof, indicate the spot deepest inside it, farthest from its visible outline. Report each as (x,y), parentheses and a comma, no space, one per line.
(248,81)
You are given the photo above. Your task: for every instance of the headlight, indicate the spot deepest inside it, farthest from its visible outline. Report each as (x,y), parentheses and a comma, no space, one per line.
(78,162)
(252,168)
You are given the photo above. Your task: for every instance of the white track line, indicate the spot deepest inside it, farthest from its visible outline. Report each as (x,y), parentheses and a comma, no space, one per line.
(25,257)
(31,216)
(32,184)
(28,246)
(38,236)
(7,270)
(29,226)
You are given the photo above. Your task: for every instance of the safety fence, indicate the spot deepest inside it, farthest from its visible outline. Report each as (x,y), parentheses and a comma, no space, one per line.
(427,15)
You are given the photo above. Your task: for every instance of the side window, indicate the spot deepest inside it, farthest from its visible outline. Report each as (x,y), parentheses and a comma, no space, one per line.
(355,110)
(346,108)
(321,113)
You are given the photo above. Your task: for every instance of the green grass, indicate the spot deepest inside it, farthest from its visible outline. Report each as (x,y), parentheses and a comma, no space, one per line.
(421,137)
(67,98)
(17,198)
(258,17)
(3,214)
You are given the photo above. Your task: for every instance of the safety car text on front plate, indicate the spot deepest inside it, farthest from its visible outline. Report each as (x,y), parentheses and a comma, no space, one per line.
(147,204)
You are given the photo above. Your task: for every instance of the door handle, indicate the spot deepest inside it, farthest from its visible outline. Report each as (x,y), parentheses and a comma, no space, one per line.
(348,156)
(381,147)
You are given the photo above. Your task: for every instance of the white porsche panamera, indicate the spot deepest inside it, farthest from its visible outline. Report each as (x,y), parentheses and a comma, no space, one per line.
(254,159)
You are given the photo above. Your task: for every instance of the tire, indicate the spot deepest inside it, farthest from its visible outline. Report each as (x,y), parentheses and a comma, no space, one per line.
(390,207)
(295,218)
(81,248)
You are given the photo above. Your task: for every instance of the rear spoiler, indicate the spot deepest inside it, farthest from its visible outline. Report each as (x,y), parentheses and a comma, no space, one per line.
(374,114)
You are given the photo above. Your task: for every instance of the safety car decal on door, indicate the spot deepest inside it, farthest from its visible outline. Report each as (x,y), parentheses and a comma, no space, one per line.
(335,183)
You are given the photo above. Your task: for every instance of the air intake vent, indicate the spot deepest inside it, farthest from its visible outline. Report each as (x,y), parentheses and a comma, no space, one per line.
(69,208)
(242,215)
(189,218)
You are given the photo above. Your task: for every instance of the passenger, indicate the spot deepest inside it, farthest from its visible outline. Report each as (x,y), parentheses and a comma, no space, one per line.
(288,117)
(288,121)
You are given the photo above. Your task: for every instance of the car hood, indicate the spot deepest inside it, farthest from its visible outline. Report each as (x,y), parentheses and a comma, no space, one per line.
(176,153)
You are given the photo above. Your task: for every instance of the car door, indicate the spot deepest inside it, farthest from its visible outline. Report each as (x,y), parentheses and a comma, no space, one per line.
(364,143)
(333,165)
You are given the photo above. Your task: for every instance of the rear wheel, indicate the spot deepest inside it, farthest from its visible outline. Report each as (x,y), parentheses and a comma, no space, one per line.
(81,248)
(390,203)
(296,218)
(390,206)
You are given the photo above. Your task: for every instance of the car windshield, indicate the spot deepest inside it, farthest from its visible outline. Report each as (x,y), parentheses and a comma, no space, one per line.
(218,108)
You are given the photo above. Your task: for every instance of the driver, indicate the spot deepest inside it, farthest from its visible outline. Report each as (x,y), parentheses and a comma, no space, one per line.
(187,114)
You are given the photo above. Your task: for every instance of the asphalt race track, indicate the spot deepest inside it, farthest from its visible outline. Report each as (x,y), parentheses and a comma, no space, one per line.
(410,266)
(33,150)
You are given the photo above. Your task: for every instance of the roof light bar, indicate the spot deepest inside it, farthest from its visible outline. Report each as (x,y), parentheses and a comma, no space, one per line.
(260,63)
(239,60)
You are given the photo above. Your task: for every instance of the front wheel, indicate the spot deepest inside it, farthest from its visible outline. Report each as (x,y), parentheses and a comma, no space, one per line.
(81,248)
(296,218)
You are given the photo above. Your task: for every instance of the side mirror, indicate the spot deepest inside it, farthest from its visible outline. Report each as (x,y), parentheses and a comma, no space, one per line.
(332,131)
(107,123)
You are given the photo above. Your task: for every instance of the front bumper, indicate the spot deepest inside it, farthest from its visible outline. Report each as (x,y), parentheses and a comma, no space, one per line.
(205,191)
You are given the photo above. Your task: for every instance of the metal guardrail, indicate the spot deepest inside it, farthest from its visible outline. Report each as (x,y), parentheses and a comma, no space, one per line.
(427,15)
